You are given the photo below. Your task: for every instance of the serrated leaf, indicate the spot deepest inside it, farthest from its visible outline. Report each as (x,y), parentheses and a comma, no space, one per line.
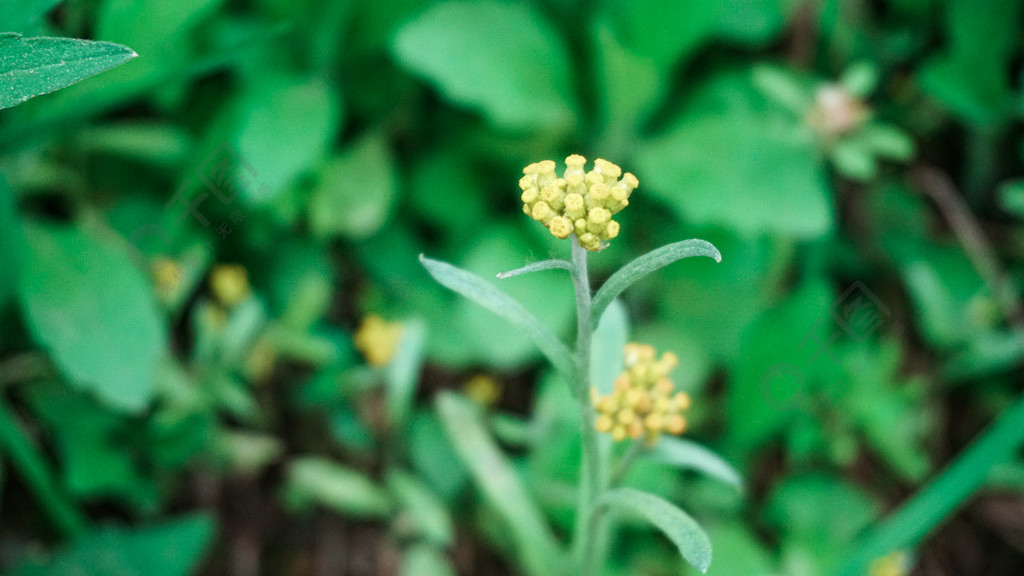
(501,58)
(486,295)
(170,549)
(681,529)
(689,455)
(536,547)
(646,264)
(315,480)
(93,310)
(31,67)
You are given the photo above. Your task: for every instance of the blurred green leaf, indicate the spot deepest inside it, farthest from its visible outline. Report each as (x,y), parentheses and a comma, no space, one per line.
(731,160)
(425,560)
(173,548)
(286,125)
(737,551)
(479,291)
(646,264)
(24,16)
(12,244)
(488,55)
(433,455)
(535,545)
(356,191)
(422,514)
(609,341)
(1011,197)
(681,529)
(314,480)
(403,372)
(155,28)
(688,455)
(94,311)
(30,67)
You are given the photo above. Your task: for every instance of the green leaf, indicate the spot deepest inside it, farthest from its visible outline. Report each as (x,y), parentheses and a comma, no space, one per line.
(422,514)
(1011,197)
(30,67)
(501,58)
(425,560)
(681,529)
(606,355)
(170,549)
(554,264)
(355,192)
(536,547)
(486,295)
(12,244)
(24,16)
(93,310)
(286,126)
(646,264)
(688,455)
(854,159)
(927,509)
(315,480)
(403,372)
(734,160)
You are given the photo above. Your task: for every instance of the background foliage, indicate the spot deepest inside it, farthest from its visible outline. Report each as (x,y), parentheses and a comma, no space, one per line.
(856,356)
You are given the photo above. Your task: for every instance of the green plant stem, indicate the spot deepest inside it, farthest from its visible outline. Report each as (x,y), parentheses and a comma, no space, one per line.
(23,455)
(627,460)
(590,485)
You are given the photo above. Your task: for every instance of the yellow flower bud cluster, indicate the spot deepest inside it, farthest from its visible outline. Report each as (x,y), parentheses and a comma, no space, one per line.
(644,401)
(378,340)
(578,202)
(229,284)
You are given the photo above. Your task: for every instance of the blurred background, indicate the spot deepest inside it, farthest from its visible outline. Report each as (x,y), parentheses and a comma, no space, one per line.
(219,353)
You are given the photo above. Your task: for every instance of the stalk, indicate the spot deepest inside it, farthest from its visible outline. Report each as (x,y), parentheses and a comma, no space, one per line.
(586,521)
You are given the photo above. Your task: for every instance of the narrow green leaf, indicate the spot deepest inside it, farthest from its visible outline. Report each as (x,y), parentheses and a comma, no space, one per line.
(479,291)
(689,455)
(94,311)
(606,357)
(502,489)
(680,528)
(927,509)
(314,480)
(404,371)
(537,267)
(30,67)
(646,264)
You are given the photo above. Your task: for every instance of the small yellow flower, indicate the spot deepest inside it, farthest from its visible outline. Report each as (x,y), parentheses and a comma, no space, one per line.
(895,564)
(378,340)
(229,284)
(167,274)
(482,389)
(580,203)
(644,402)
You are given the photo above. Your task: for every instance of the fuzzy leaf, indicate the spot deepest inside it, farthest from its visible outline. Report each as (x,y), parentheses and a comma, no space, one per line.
(680,528)
(689,455)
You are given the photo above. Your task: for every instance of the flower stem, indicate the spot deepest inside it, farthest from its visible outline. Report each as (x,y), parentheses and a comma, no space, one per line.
(626,462)
(590,484)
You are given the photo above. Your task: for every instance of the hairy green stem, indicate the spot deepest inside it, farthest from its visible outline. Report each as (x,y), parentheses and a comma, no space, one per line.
(626,462)
(30,464)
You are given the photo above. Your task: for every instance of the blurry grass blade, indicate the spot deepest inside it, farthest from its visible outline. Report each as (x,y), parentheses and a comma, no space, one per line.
(689,455)
(680,528)
(502,490)
(313,480)
(170,549)
(646,264)
(425,560)
(404,372)
(536,267)
(479,291)
(30,67)
(942,496)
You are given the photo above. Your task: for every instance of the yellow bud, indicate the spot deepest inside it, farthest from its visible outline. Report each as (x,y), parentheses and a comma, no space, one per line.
(606,405)
(619,433)
(607,169)
(575,184)
(611,230)
(527,182)
(229,284)
(596,195)
(635,429)
(575,161)
(580,226)
(590,242)
(626,417)
(378,340)
(654,422)
(542,212)
(633,397)
(599,216)
(622,383)
(560,227)
(531,169)
(530,195)
(664,386)
(676,424)
(662,404)
(603,423)
(574,207)
(682,400)
(644,405)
